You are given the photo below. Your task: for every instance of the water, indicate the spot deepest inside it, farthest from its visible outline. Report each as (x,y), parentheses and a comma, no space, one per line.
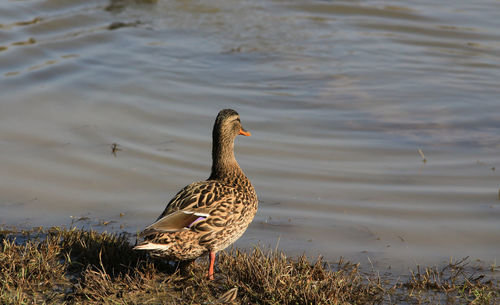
(339,96)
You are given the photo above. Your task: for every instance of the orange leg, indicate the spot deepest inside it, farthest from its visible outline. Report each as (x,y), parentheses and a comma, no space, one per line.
(211,268)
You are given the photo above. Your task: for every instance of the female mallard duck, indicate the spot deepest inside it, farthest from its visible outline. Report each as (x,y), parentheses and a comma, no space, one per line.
(207,216)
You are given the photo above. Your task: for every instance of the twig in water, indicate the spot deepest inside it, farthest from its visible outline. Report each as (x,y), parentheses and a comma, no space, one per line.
(421,153)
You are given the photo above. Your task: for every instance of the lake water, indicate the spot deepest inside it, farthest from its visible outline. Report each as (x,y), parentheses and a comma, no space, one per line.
(339,97)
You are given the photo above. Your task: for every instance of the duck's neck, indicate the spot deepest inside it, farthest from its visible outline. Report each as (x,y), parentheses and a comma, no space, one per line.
(224,165)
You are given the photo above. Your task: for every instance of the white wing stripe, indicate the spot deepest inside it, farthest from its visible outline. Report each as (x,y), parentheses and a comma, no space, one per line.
(152,246)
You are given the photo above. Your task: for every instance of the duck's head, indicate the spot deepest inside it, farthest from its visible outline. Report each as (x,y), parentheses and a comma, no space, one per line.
(228,125)
(226,128)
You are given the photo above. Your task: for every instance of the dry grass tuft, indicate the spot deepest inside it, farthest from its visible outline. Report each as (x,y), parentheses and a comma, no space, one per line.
(31,271)
(271,278)
(74,266)
(452,283)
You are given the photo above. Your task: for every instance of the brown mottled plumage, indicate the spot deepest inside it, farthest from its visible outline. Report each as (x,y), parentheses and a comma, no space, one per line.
(207,216)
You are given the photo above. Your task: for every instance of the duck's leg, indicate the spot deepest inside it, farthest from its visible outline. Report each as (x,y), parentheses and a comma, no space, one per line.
(211,267)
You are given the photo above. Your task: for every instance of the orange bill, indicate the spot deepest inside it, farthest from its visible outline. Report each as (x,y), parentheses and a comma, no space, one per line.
(243,132)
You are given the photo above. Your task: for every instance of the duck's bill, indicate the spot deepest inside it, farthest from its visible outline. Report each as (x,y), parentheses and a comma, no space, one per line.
(244,132)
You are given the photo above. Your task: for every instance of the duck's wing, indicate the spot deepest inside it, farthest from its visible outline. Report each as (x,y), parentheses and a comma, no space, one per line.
(174,222)
(202,196)
(200,206)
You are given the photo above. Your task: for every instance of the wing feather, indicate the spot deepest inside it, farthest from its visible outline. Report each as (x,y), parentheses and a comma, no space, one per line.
(209,200)
(177,221)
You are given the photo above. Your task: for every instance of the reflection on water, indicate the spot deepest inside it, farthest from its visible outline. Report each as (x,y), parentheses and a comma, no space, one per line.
(339,96)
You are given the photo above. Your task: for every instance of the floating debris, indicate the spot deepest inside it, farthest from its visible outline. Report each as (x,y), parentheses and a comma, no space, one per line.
(77,218)
(30,22)
(31,40)
(119,24)
(421,153)
(482,163)
(115,148)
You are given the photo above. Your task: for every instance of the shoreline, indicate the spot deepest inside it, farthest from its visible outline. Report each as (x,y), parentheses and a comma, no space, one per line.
(77,266)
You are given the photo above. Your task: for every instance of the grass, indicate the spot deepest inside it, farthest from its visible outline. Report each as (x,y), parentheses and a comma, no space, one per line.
(74,266)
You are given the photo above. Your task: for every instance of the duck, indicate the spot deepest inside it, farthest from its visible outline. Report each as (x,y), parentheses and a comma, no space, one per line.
(207,216)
